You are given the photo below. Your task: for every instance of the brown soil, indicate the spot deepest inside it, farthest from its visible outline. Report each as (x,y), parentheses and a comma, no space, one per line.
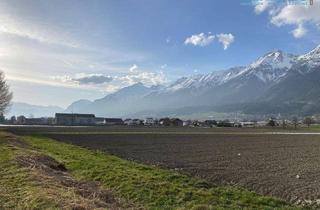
(42,162)
(285,166)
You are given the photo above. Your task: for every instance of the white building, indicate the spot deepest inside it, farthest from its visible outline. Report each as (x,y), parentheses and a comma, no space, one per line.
(149,121)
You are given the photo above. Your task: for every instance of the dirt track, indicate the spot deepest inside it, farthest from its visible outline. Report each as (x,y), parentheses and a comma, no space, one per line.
(279,165)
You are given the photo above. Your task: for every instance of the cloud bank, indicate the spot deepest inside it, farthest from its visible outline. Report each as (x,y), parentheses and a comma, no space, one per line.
(93,79)
(109,84)
(292,14)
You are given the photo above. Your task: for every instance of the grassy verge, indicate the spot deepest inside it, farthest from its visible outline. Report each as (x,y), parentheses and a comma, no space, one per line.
(30,184)
(149,186)
(18,189)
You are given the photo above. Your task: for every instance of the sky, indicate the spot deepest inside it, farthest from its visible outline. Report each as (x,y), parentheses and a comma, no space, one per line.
(56,52)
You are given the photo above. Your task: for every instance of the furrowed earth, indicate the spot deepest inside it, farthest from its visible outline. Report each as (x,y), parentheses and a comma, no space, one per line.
(280,165)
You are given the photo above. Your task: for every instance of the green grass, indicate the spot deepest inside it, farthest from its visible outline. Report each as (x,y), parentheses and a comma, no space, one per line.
(312,128)
(17,188)
(151,187)
(31,188)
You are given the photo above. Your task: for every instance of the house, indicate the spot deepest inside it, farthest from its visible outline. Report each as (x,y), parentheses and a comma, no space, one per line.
(74,119)
(50,120)
(176,122)
(187,123)
(149,121)
(113,121)
(99,120)
(21,120)
(137,122)
(248,124)
(225,123)
(165,121)
(128,121)
(197,123)
(210,123)
(36,121)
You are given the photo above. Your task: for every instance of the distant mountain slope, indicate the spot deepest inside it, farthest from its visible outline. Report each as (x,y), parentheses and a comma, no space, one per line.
(277,82)
(28,110)
(78,106)
(120,103)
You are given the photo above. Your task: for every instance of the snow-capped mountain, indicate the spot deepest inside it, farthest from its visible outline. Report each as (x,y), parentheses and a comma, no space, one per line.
(275,60)
(205,80)
(268,68)
(311,59)
(275,80)
(271,67)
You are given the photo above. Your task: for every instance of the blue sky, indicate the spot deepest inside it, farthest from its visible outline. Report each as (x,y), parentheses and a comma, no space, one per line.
(55,52)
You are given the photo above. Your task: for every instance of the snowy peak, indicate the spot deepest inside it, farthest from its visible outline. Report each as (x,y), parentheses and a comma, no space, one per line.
(311,58)
(268,79)
(276,60)
(271,67)
(205,80)
(315,52)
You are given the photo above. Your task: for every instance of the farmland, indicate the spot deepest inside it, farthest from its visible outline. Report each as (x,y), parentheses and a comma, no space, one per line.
(283,166)
(40,173)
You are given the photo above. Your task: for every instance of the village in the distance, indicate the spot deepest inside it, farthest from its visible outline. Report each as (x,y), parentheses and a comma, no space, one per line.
(76,119)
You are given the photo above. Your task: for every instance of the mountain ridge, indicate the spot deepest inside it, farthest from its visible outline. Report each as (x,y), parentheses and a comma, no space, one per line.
(263,81)
(29,110)
(277,82)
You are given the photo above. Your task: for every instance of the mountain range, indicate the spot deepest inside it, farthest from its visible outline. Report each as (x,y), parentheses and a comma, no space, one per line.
(277,82)
(29,110)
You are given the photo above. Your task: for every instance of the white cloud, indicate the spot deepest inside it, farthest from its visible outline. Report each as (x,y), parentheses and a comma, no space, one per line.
(93,79)
(296,15)
(84,79)
(133,68)
(200,39)
(111,84)
(225,40)
(203,40)
(299,32)
(261,6)
(147,78)
(33,31)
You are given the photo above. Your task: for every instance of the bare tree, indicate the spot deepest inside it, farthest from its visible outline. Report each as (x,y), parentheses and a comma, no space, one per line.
(5,94)
(295,122)
(272,122)
(308,121)
(284,123)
